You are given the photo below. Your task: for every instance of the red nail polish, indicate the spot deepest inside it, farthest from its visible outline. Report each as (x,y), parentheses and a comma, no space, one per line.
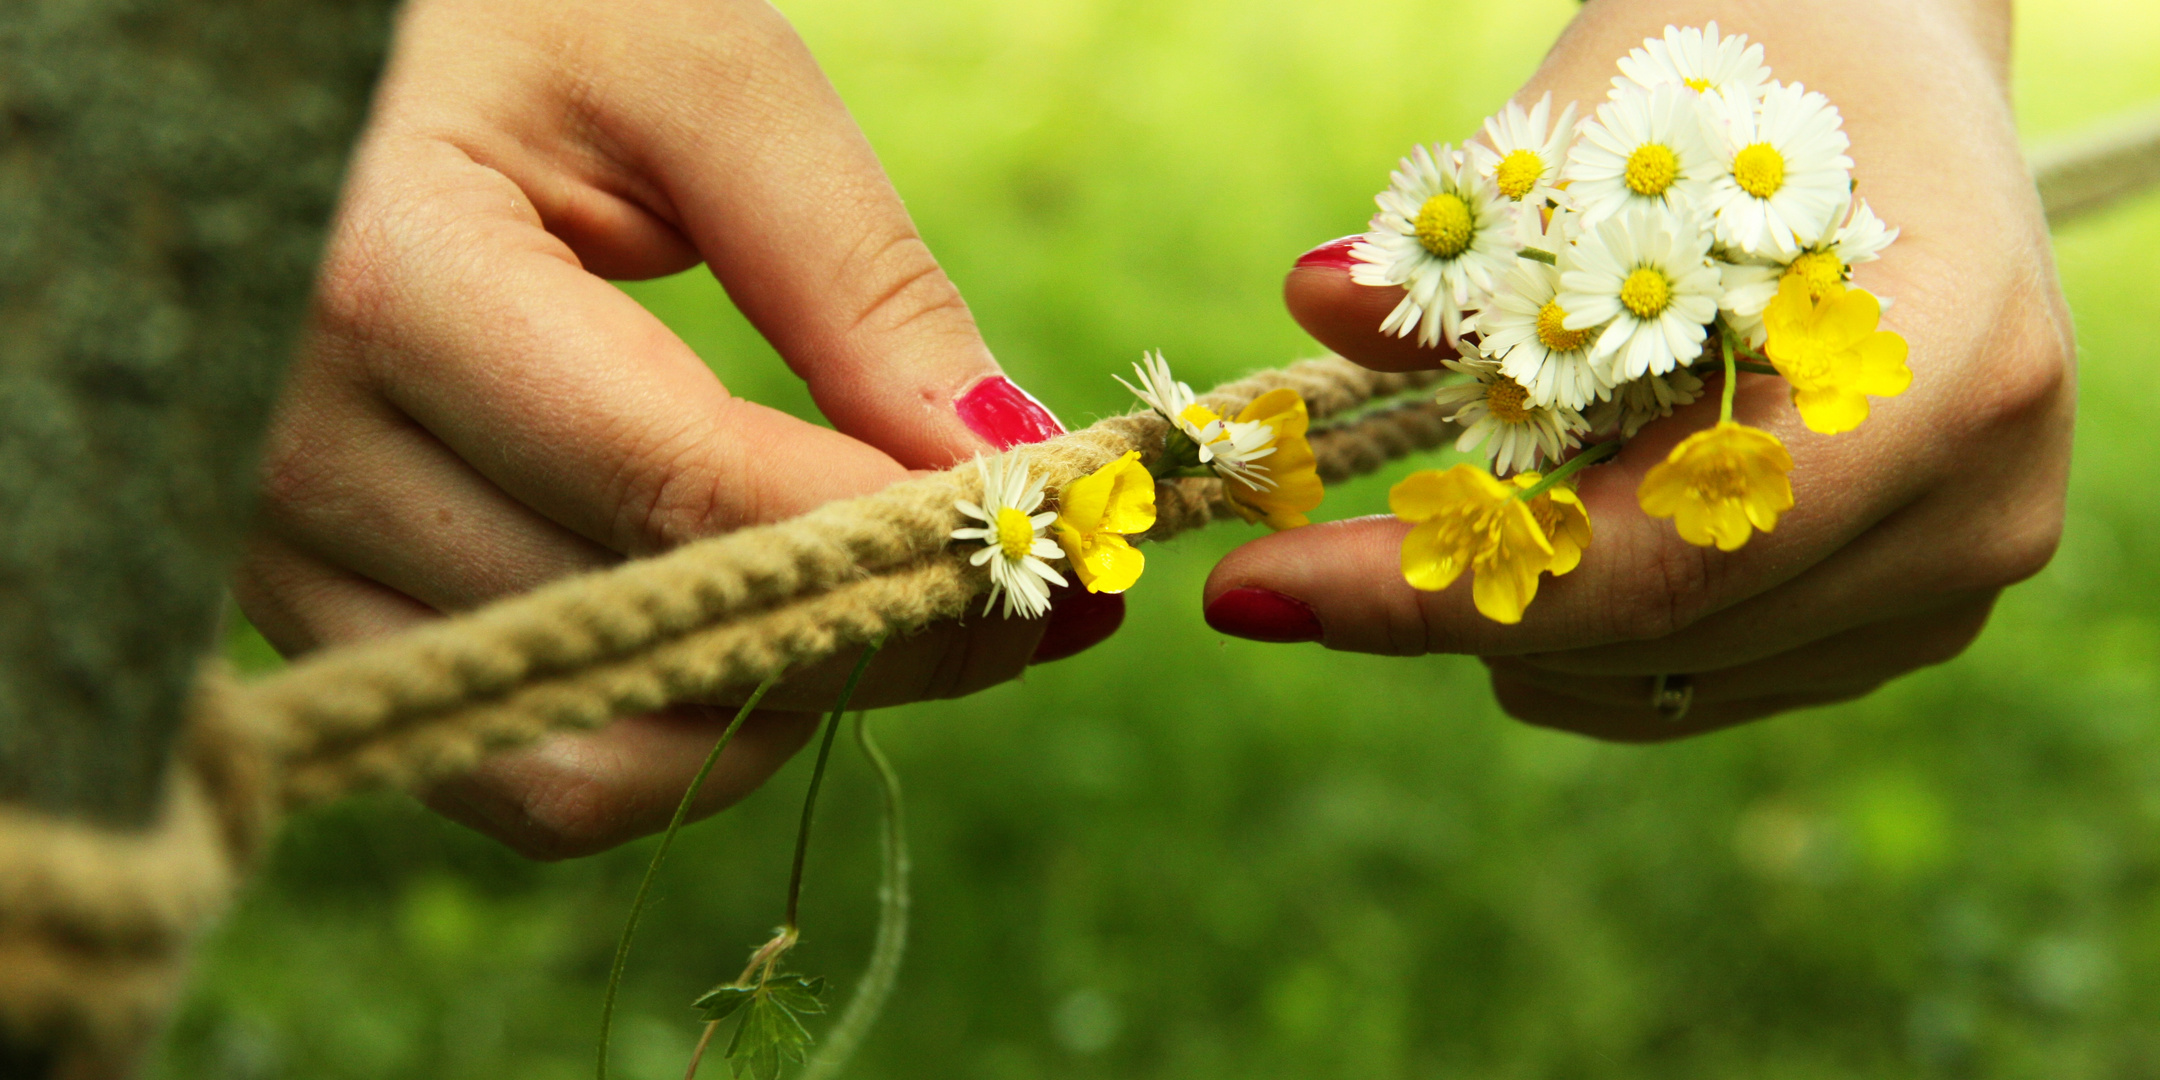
(1335,254)
(1005,415)
(1263,615)
(1079,620)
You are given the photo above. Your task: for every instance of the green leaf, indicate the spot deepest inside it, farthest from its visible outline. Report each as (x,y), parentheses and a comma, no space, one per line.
(771,1033)
(799,994)
(721,1001)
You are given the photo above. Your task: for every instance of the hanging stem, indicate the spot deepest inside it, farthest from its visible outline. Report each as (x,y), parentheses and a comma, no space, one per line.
(1732,382)
(876,984)
(652,869)
(762,961)
(817,780)
(1568,468)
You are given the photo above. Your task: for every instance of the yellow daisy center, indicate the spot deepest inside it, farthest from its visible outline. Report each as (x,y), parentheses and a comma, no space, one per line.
(1697,85)
(1444,225)
(1505,400)
(1760,170)
(1518,173)
(1652,168)
(1553,333)
(1646,292)
(1015,533)
(1820,270)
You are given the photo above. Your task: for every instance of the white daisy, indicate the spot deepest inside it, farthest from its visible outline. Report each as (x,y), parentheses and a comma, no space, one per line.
(1524,330)
(1522,155)
(1646,276)
(1012,537)
(1496,410)
(1652,397)
(1443,233)
(1826,260)
(1644,148)
(1785,169)
(1697,59)
(1232,448)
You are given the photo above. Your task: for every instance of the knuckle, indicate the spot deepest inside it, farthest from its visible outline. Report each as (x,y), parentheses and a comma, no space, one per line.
(293,480)
(905,286)
(570,819)
(1667,597)
(960,668)
(1420,625)
(353,288)
(2015,549)
(2030,355)
(664,501)
(1954,635)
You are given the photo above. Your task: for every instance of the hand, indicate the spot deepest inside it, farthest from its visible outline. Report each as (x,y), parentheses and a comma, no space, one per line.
(477,411)
(1903,532)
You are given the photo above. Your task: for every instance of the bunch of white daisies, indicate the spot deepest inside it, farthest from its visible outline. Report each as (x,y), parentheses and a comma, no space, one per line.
(1582,269)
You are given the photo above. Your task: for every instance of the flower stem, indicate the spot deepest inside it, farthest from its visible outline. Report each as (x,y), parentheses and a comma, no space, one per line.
(876,984)
(652,869)
(1568,468)
(817,779)
(1732,383)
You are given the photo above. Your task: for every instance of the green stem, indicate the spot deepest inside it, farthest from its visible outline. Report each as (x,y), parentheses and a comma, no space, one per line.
(1179,453)
(652,869)
(1732,382)
(817,780)
(1568,468)
(876,984)
(1755,368)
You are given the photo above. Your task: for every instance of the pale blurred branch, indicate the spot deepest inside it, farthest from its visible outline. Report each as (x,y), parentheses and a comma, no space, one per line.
(2096,168)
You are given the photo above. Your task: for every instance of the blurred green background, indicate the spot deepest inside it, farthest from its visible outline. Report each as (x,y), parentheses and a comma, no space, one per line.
(1178,856)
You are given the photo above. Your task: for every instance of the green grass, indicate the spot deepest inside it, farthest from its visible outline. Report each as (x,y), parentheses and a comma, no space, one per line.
(1183,857)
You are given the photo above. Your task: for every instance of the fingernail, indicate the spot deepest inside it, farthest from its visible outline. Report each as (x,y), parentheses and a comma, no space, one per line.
(1079,620)
(1263,615)
(1335,254)
(1005,415)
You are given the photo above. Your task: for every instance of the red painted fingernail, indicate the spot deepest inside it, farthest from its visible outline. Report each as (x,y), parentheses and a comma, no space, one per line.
(1005,415)
(1079,620)
(1263,615)
(1335,254)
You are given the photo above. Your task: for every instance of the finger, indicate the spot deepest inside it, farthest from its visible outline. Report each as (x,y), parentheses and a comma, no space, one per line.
(726,130)
(782,193)
(569,794)
(1346,316)
(1642,723)
(1992,520)
(1638,580)
(573,795)
(445,296)
(300,603)
(1855,660)
(1898,569)
(359,486)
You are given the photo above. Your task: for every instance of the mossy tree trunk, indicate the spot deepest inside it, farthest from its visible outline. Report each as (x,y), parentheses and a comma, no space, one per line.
(167,170)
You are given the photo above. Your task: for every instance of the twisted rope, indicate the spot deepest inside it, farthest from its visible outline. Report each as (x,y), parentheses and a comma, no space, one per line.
(682,627)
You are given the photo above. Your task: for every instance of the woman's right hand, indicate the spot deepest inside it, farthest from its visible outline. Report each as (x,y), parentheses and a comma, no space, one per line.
(478,411)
